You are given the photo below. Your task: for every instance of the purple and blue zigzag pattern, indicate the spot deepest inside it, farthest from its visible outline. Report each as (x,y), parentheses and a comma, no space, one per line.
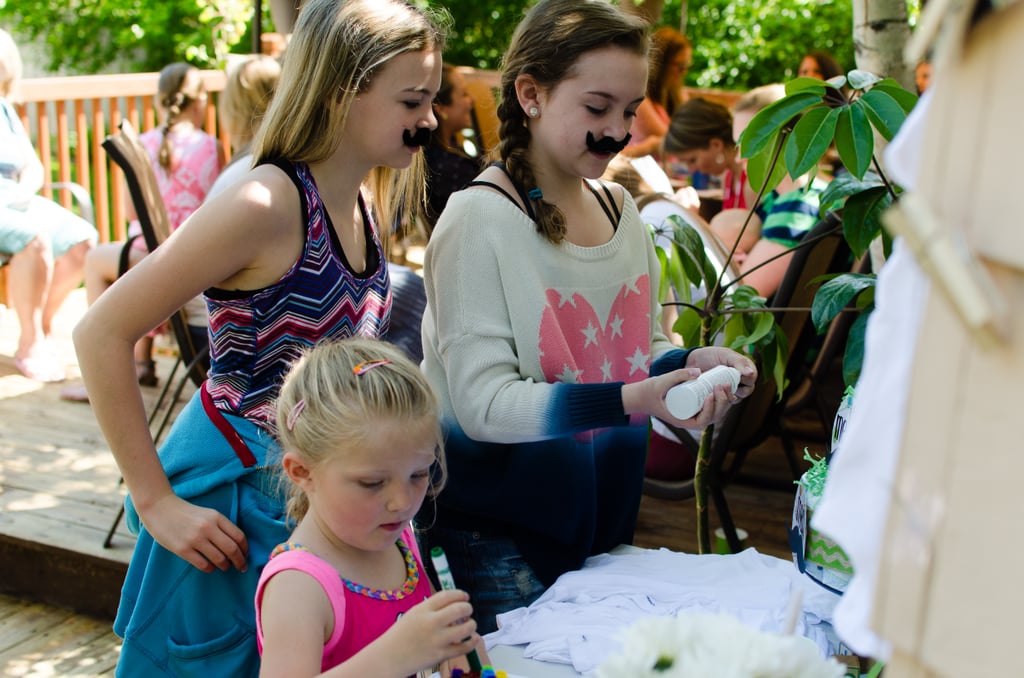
(255,338)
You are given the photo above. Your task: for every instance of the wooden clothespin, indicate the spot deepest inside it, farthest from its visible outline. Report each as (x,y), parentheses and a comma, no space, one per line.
(953,268)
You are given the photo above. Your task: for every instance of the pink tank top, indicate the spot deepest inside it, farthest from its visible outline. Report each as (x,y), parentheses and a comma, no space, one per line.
(361,615)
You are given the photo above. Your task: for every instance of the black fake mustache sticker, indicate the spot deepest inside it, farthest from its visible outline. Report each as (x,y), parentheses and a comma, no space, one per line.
(607,144)
(420,138)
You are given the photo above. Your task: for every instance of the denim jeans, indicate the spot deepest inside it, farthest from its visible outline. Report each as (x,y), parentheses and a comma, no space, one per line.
(490,568)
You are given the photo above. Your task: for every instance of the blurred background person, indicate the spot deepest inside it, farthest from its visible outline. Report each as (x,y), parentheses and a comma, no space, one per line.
(44,244)
(700,136)
(923,76)
(670,59)
(449,165)
(247,93)
(819,64)
(186,160)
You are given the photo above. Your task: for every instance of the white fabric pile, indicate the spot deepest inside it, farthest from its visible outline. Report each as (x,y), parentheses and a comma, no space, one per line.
(582,618)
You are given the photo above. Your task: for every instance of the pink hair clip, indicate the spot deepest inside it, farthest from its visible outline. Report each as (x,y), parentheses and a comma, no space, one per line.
(367,365)
(293,414)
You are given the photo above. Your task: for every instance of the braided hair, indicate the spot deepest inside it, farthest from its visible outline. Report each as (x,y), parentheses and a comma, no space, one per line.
(546,45)
(175,92)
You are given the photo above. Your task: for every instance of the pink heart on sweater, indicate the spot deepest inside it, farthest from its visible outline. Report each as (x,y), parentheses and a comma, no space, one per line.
(578,347)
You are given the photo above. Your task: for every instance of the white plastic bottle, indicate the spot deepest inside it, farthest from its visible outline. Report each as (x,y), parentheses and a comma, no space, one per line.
(685,400)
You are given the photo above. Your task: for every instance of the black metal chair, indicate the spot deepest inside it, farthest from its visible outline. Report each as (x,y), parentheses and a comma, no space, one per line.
(124,148)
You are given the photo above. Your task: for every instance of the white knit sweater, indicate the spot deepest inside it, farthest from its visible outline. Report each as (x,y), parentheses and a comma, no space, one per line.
(511,315)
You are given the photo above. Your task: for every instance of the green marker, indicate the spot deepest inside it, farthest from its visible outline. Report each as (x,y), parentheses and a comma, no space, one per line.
(444,575)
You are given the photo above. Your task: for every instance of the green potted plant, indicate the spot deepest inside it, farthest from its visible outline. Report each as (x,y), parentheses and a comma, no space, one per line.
(791,136)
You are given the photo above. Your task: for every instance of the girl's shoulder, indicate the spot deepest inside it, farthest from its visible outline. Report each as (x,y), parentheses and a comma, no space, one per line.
(263,202)
(480,213)
(295,557)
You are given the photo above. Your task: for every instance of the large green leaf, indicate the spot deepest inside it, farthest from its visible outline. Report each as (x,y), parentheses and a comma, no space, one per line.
(862,217)
(764,127)
(678,278)
(687,247)
(853,357)
(687,326)
(773,361)
(805,84)
(884,112)
(835,295)
(905,98)
(811,137)
(757,325)
(854,139)
(758,166)
(843,186)
(664,283)
(697,265)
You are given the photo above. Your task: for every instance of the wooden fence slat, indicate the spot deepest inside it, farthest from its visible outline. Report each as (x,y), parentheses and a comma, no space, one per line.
(63,151)
(82,145)
(100,196)
(117,179)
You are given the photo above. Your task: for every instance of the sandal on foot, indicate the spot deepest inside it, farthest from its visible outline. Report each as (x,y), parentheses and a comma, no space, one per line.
(40,368)
(145,370)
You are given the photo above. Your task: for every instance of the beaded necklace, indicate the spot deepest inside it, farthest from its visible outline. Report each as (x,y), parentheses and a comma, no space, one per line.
(412,573)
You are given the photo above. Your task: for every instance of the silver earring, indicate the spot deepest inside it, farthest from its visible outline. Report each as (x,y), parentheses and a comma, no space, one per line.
(533,112)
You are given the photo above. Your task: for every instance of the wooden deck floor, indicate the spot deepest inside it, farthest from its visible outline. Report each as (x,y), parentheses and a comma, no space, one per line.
(59,493)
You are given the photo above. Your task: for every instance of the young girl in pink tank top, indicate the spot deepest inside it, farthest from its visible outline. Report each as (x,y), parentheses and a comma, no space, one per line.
(359,428)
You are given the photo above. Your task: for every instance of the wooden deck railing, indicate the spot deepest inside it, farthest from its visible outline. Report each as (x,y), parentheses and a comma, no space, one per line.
(68,118)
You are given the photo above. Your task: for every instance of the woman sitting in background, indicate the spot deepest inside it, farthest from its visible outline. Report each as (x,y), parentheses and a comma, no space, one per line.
(819,64)
(700,134)
(247,93)
(449,166)
(669,62)
(44,244)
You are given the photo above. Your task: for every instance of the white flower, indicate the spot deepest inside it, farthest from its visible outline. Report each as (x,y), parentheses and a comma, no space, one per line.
(713,646)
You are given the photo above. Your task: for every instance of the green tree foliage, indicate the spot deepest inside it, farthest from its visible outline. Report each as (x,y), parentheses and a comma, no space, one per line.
(110,36)
(737,44)
(748,43)
(481,31)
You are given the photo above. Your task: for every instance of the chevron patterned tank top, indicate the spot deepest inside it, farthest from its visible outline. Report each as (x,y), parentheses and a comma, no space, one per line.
(256,334)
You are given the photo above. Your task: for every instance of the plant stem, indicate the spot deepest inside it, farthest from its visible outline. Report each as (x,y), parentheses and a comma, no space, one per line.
(700,489)
(700,471)
(885,179)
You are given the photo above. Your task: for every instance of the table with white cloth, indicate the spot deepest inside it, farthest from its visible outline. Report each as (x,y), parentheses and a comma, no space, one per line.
(578,622)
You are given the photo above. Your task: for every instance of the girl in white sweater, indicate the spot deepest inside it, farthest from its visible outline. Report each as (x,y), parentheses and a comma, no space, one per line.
(541,334)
